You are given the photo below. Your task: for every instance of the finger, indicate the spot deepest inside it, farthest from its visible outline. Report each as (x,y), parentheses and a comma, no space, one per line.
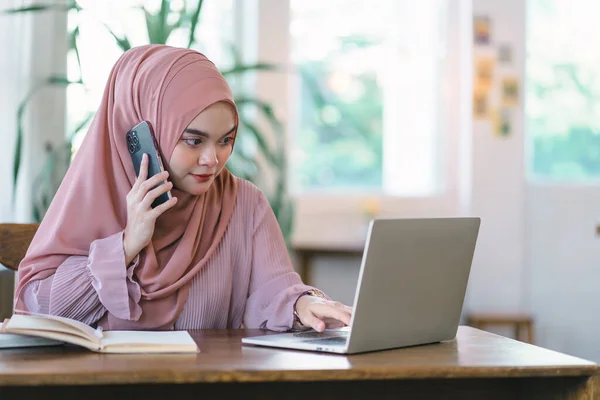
(143,170)
(341,305)
(327,311)
(150,184)
(344,308)
(313,322)
(141,178)
(334,324)
(157,212)
(154,193)
(156,179)
(348,313)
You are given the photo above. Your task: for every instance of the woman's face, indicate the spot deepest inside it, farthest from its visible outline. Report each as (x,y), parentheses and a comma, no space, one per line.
(203,149)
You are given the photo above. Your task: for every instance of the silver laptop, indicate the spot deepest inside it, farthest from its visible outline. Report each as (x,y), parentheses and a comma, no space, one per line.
(410,289)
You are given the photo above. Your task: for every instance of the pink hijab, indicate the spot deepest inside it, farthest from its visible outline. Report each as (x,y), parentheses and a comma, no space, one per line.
(168,87)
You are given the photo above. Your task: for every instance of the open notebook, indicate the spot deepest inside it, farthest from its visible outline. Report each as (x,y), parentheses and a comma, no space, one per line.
(70,331)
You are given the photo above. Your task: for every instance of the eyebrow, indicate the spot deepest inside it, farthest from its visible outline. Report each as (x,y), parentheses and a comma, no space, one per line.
(206,135)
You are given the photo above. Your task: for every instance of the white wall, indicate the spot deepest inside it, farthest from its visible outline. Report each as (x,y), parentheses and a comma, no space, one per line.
(540,251)
(563,257)
(498,186)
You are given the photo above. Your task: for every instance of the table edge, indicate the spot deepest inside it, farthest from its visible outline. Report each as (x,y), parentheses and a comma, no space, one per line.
(254,376)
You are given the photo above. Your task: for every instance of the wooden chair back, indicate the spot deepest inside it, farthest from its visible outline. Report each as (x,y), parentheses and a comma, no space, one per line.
(14,242)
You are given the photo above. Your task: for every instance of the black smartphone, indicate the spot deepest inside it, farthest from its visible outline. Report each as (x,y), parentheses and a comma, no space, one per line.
(140,139)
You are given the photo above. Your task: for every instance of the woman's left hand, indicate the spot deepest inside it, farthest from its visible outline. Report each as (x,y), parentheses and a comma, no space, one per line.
(320,314)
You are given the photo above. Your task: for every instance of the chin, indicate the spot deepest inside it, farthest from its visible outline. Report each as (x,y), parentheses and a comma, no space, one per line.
(198,189)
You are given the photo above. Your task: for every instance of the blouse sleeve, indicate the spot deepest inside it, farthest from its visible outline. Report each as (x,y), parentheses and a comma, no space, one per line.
(85,288)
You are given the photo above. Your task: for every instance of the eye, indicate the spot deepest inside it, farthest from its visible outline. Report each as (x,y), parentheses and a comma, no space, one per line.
(192,142)
(228,140)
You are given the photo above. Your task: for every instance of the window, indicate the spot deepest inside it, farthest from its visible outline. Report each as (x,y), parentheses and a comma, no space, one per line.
(368,112)
(563,90)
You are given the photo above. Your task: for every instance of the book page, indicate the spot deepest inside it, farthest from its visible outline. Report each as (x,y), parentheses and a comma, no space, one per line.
(51,323)
(59,337)
(9,341)
(148,341)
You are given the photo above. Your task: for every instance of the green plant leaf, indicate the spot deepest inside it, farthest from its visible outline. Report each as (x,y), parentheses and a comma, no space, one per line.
(40,183)
(47,182)
(262,143)
(151,25)
(52,80)
(157,25)
(17,159)
(61,81)
(170,28)
(314,88)
(73,46)
(194,18)
(278,199)
(43,7)
(267,112)
(244,68)
(243,166)
(19,139)
(122,42)
(285,218)
(235,55)
(165,6)
(36,215)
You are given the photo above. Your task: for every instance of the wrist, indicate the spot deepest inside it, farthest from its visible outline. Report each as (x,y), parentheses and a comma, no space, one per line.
(302,301)
(129,252)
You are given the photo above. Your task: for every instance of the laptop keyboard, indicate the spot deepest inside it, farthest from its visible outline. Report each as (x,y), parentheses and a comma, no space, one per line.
(323,337)
(320,335)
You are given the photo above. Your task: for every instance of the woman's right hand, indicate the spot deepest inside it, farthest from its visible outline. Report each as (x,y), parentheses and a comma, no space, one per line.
(141,217)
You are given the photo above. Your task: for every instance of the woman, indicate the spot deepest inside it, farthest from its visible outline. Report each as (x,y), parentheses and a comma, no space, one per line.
(212,256)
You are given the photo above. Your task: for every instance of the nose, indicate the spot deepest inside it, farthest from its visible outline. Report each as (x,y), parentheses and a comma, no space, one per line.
(208,158)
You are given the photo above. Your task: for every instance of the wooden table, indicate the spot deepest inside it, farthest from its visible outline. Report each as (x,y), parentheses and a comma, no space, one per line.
(307,252)
(477,365)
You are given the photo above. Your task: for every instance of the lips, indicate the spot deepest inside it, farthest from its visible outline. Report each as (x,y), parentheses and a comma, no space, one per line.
(202,177)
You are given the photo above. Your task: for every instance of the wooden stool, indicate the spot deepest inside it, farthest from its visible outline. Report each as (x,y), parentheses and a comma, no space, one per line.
(519,322)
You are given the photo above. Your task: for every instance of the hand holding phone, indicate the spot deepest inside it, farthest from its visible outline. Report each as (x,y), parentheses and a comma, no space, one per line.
(141,217)
(150,195)
(140,140)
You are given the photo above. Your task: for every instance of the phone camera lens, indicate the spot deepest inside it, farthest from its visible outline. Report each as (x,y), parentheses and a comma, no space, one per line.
(133,142)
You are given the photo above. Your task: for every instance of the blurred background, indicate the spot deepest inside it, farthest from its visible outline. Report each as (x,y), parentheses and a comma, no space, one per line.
(353,110)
